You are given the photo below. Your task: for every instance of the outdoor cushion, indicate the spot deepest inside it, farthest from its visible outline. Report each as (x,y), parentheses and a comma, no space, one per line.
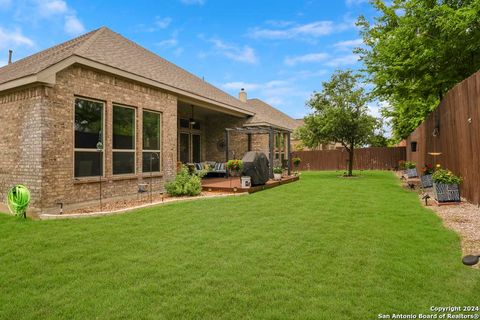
(219,167)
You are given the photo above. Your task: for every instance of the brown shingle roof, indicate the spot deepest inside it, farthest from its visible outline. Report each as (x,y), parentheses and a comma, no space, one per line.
(265,113)
(110,48)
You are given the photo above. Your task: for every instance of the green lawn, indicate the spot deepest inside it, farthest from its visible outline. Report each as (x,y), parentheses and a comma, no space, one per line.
(322,248)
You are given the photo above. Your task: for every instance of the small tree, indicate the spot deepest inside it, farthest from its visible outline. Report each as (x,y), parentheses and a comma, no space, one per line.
(339,115)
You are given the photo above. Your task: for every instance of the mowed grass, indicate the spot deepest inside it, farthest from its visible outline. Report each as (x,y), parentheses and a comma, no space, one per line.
(322,248)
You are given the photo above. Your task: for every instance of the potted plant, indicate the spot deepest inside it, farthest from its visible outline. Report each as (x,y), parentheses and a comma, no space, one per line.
(446,186)
(411,169)
(296,162)
(235,167)
(277,173)
(426,176)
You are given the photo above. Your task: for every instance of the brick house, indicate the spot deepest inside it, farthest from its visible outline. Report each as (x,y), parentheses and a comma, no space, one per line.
(100,109)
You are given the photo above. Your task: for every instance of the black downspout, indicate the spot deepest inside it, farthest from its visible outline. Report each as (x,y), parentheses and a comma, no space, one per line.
(226,153)
(289,152)
(270,149)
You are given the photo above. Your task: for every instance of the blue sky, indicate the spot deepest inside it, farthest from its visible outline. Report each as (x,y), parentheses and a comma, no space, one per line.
(279,51)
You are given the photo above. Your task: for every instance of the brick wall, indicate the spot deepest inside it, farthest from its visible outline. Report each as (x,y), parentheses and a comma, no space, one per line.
(58,183)
(37,138)
(21,141)
(238,142)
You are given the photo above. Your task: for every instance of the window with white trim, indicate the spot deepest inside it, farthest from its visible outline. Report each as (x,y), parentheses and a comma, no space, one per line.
(88,160)
(123,140)
(151,141)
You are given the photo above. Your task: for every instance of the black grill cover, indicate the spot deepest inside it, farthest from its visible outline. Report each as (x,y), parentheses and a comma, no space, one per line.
(255,165)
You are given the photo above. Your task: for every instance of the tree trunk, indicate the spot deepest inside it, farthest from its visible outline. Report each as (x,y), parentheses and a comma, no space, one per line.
(350,162)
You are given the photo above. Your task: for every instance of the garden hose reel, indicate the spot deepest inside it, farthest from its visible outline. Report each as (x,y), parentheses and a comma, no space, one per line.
(18,199)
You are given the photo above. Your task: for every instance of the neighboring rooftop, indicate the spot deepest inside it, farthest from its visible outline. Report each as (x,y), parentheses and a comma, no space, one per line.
(266,114)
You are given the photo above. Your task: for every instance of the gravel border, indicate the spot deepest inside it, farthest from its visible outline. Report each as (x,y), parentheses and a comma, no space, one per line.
(463,218)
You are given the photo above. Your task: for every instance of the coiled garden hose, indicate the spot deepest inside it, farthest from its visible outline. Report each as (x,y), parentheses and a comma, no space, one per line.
(18,199)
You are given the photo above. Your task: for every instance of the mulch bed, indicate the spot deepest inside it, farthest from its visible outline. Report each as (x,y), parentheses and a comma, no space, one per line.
(132,203)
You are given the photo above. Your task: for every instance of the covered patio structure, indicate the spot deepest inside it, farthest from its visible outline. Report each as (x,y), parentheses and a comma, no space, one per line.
(279,146)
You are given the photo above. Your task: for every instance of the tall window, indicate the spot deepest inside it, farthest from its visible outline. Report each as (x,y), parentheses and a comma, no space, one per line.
(280,146)
(151,141)
(88,134)
(123,140)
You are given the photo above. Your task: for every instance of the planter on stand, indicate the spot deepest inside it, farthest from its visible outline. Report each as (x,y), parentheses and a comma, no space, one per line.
(446,192)
(427,181)
(412,173)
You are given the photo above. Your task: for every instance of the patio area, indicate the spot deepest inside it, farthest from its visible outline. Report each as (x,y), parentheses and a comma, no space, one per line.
(234,185)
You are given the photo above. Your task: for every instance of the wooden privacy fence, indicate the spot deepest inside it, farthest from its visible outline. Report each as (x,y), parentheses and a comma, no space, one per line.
(364,159)
(450,136)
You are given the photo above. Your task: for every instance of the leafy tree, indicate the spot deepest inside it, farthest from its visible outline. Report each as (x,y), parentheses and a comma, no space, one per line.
(416,51)
(339,115)
(378,140)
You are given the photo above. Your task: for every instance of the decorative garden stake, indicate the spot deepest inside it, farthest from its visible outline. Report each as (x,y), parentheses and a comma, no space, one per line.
(18,200)
(100,149)
(470,260)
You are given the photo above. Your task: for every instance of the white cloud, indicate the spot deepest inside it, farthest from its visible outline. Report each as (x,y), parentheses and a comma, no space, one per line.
(163,23)
(311,57)
(48,8)
(53,11)
(3,63)
(193,2)
(244,54)
(178,51)
(14,38)
(347,60)
(73,26)
(172,42)
(350,3)
(279,23)
(348,44)
(237,85)
(313,30)
(4,4)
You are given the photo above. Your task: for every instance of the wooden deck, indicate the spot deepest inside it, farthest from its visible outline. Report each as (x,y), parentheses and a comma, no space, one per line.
(234,185)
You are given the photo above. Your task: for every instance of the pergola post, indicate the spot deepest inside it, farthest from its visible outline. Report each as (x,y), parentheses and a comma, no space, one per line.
(270,149)
(226,145)
(289,153)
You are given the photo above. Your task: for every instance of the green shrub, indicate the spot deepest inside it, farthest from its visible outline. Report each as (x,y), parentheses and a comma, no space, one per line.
(185,184)
(410,165)
(235,165)
(277,170)
(296,161)
(445,176)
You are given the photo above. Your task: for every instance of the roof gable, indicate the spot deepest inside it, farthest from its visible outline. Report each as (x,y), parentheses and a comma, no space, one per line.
(111,49)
